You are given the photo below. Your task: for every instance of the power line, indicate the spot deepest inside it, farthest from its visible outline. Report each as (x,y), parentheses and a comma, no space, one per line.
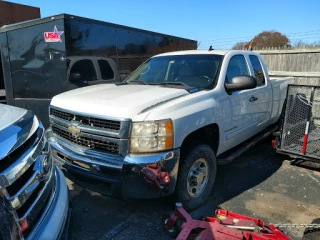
(231,42)
(287,34)
(222,39)
(305,32)
(223,42)
(206,46)
(305,38)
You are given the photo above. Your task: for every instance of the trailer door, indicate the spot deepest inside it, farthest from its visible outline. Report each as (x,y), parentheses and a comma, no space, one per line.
(2,91)
(38,66)
(1,74)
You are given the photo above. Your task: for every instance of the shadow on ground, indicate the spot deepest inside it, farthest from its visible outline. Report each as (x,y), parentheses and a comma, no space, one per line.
(240,186)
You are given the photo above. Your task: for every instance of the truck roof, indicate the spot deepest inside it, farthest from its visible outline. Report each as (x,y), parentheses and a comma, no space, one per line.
(191,52)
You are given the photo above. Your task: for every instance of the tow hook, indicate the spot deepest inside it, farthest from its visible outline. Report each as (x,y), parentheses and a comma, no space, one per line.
(154,177)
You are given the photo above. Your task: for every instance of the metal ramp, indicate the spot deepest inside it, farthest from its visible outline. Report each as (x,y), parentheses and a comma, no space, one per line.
(301,124)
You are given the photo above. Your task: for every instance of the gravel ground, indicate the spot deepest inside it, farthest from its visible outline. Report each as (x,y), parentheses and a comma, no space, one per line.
(260,184)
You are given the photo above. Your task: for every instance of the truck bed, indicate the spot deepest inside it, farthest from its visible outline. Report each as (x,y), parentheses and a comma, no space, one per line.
(273,78)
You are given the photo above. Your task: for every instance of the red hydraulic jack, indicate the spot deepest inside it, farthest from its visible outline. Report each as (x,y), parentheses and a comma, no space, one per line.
(225,225)
(154,177)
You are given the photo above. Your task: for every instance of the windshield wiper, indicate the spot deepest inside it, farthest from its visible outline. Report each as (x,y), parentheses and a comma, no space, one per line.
(138,81)
(171,83)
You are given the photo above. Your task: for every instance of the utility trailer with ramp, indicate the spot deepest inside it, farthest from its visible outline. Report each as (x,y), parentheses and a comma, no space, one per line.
(299,133)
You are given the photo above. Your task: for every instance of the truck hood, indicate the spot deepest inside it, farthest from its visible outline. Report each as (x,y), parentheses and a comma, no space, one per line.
(9,115)
(122,101)
(16,125)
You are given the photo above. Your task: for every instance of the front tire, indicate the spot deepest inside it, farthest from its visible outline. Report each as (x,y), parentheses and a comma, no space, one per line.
(196,176)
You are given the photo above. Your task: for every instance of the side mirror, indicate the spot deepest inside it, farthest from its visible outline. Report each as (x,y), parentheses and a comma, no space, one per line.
(75,77)
(241,83)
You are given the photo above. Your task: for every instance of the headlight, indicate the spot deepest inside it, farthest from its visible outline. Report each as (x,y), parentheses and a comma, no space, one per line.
(151,136)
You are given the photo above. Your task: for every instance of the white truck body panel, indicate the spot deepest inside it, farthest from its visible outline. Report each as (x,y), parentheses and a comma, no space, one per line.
(122,134)
(237,118)
(109,100)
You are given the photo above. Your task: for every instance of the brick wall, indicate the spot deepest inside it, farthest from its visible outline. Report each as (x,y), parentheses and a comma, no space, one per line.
(13,13)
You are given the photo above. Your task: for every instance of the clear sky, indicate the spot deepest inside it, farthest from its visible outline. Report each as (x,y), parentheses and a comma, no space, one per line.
(218,22)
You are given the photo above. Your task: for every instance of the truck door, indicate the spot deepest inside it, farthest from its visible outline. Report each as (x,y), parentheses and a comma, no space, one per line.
(262,105)
(241,124)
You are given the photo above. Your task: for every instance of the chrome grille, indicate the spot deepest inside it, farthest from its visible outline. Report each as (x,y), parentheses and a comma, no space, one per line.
(23,179)
(38,202)
(7,161)
(102,145)
(24,184)
(62,115)
(90,132)
(87,121)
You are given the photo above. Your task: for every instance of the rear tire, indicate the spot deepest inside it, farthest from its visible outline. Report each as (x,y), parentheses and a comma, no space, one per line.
(197,175)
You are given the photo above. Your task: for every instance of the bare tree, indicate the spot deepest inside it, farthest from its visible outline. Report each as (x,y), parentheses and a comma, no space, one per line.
(239,46)
(302,44)
(268,39)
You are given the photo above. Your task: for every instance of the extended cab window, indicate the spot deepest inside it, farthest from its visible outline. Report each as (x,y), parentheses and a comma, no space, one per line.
(85,70)
(258,72)
(237,67)
(106,70)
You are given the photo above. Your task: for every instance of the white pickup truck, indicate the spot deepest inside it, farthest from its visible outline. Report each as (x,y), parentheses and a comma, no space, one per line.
(165,128)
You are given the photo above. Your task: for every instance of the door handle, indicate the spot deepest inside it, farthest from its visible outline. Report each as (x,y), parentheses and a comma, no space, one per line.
(253,98)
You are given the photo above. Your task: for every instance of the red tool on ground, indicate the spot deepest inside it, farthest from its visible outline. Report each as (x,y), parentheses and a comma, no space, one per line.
(154,177)
(225,225)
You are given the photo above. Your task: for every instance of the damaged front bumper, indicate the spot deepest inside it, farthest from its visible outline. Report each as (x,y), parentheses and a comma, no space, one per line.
(132,176)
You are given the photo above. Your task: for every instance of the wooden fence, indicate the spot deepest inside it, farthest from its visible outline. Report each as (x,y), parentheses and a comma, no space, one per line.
(304,64)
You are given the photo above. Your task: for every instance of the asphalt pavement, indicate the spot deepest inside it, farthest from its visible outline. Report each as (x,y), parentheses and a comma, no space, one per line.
(260,183)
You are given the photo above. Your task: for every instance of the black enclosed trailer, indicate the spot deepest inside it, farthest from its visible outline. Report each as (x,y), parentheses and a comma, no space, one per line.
(48,56)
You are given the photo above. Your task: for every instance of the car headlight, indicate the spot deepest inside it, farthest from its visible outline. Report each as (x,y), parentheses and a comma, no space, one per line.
(151,136)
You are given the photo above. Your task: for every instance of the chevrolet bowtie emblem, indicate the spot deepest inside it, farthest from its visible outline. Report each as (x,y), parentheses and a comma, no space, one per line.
(74,130)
